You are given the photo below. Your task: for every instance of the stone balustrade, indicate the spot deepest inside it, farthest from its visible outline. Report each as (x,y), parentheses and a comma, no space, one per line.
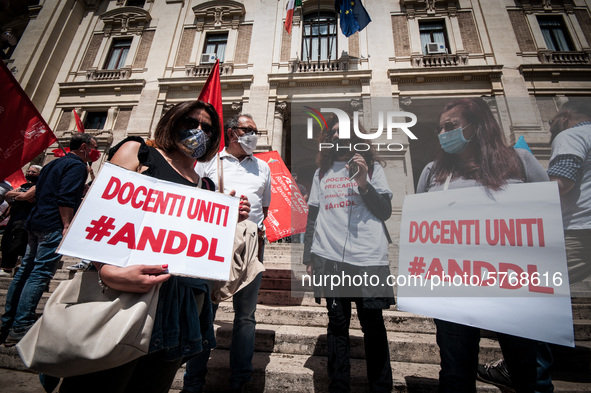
(570,57)
(203,70)
(320,66)
(440,60)
(94,74)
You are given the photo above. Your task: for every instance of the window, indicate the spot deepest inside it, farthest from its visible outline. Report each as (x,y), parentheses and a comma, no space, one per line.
(118,54)
(216,44)
(95,120)
(555,33)
(320,37)
(135,3)
(433,39)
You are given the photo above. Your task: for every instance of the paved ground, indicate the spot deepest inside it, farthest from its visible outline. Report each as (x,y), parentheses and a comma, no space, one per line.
(22,382)
(19,382)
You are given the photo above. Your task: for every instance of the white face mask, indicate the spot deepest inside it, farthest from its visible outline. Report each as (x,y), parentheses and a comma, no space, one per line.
(248,142)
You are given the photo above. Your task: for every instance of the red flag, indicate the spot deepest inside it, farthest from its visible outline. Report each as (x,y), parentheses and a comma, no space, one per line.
(60,151)
(24,132)
(79,124)
(16,179)
(212,94)
(288,211)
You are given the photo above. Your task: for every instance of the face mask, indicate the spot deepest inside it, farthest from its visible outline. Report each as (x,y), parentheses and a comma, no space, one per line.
(94,155)
(195,142)
(32,178)
(248,142)
(453,142)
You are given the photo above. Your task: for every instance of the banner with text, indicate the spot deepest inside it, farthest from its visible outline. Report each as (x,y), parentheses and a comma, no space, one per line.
(131,219)
(288,211)
(493,260)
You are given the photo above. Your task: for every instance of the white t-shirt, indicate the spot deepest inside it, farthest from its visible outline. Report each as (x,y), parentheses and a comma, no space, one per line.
(576,204)
(346,230)
(250,177)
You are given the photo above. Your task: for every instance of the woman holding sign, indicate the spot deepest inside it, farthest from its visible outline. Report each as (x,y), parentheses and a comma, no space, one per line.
(473,153)
(183,326)
(346,237)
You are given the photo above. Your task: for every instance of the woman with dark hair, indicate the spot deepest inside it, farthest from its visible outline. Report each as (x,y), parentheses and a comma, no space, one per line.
(183,326)
(345,236)
(473,153)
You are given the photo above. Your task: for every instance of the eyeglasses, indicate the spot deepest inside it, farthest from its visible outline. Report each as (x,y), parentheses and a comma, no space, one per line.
(248,130)
(190,123)
(450,126)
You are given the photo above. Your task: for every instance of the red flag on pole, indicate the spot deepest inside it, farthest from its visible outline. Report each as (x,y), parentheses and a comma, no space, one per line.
(24,132)
(79,124)
(212,94)
(288,211)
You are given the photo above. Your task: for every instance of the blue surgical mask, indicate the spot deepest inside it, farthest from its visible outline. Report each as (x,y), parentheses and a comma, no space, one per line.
(453,142)
(195,141)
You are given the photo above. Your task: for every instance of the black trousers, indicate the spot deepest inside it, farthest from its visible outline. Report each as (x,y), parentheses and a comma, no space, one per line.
(14,243)
(375,339)
(148,374)
(458,347)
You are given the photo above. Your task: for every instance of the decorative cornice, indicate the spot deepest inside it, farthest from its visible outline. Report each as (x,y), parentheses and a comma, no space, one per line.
(125,20)
(103,137)
(229,82)
(430,7)
(550,72)
(100,87)
(218,13)
(530,6)
(447,75)
(329,78)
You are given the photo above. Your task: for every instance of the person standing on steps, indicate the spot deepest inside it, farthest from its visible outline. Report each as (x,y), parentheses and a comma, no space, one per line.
(345,234)
(248,176)
(58,194)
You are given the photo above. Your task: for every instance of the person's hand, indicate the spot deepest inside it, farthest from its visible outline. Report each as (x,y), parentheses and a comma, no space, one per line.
(136,278)
(243,208)
(361,176)
(310,270)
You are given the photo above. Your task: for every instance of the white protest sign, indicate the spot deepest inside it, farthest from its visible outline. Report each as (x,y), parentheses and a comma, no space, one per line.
(130,219)
(493,260)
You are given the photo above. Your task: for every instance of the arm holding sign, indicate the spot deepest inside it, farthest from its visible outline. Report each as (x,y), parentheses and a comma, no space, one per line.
(136,278)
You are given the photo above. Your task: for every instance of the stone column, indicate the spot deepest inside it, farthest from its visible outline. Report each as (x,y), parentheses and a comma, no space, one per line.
(278,120)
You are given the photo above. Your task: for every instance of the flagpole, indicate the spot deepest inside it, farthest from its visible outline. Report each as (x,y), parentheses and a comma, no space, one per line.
(220,173)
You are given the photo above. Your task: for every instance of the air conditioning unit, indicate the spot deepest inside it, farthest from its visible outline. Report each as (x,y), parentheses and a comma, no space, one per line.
(208,58)
(434,48)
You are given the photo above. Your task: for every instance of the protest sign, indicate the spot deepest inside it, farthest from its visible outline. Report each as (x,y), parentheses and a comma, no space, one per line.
(288,211)
(130,219)
(493,260)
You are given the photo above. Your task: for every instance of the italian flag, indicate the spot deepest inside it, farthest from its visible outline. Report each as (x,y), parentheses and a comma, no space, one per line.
(291,5)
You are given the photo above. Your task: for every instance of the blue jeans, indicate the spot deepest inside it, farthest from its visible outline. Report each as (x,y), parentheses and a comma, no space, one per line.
(37,269)
(241,348)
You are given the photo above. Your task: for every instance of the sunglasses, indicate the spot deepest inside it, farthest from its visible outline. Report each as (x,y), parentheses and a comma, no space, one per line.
(190,123)
(248,130)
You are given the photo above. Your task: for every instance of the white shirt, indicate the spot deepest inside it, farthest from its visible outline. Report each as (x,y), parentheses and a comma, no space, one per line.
(346,230)
(250,177)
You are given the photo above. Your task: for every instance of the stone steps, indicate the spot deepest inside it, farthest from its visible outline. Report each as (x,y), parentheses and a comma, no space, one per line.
(290,343)
(280,373)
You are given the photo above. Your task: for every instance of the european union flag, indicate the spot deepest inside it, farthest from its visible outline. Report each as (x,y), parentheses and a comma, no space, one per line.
(353,16)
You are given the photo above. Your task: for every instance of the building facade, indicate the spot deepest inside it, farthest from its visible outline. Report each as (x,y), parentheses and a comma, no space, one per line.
(121,63)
